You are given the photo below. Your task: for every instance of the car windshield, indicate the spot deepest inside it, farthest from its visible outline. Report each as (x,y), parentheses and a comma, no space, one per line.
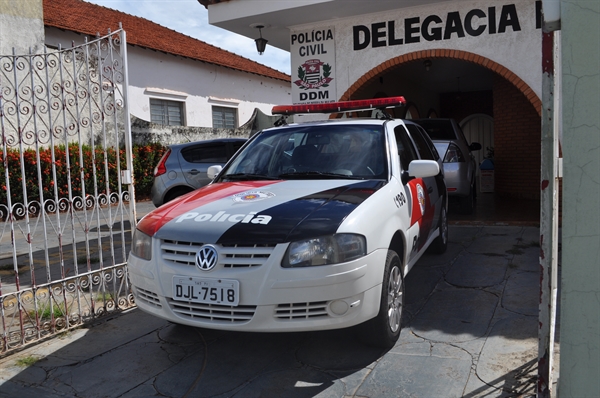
(313,152)
(438,129)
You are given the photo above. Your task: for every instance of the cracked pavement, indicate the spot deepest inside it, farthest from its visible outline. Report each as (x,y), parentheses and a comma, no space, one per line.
(469,330)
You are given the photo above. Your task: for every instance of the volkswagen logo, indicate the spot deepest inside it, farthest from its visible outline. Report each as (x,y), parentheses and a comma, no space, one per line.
(206,258)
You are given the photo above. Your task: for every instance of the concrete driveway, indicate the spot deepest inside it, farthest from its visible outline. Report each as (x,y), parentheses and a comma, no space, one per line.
(469,330)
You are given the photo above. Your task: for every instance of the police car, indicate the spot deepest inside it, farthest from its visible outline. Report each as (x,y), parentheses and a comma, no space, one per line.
(310,226)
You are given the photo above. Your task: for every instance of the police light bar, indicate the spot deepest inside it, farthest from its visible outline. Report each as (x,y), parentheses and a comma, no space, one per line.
(342,106)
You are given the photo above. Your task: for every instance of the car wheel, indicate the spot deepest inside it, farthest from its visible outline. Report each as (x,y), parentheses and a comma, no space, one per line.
(384,330)
(175,193)
(440,244)
(467,203)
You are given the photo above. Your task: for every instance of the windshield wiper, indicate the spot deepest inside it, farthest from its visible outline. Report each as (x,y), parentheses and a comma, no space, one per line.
(318,175)
(248,177)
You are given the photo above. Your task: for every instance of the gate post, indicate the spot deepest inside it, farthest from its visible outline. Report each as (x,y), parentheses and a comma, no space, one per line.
(551,170)
(127,123)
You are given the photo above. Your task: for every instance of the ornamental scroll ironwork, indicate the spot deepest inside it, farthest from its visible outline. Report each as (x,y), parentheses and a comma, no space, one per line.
(66,213)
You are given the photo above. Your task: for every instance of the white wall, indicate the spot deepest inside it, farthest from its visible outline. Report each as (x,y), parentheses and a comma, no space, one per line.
(200,85)
(580,293)
(518,51)
(21,26)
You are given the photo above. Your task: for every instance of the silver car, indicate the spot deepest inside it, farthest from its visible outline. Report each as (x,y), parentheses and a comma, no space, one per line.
(458,162)
(183,167)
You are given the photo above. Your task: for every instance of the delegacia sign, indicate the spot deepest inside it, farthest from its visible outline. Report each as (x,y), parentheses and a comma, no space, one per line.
(313,57)
(475,22)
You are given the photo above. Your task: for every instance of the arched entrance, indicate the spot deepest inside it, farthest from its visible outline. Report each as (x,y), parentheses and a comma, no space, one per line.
(354,90)
(459,85)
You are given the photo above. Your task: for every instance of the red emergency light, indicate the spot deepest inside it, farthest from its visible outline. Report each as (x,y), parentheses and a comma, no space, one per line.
(342,106)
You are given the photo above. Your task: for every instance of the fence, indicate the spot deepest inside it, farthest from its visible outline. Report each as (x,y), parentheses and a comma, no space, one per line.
(67,203)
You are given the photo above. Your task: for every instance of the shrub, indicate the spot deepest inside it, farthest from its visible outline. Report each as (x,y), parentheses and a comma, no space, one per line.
(73,170)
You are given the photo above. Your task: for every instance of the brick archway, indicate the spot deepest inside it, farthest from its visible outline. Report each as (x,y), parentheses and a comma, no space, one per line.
(385,67)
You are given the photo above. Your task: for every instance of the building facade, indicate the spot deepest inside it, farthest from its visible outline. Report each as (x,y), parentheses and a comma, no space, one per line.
(174,79)
(478,63)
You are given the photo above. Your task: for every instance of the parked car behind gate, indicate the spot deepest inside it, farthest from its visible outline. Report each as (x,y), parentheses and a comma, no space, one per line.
(310,226)
(460,167)
(183,167)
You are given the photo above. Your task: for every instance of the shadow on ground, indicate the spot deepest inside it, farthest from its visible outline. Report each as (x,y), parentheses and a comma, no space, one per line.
(469,329)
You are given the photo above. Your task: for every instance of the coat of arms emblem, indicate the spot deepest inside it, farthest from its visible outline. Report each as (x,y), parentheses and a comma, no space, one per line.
(313,74)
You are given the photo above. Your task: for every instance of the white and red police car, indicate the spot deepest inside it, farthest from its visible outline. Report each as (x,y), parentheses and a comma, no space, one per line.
(310,226)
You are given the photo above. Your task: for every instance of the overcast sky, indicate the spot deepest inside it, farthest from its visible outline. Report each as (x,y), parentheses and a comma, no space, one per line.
(191,18)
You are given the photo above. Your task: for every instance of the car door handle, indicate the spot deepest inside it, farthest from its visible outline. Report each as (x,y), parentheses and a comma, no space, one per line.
(194,172)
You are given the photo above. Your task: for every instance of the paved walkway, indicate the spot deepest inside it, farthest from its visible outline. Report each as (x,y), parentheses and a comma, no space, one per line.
(469,330)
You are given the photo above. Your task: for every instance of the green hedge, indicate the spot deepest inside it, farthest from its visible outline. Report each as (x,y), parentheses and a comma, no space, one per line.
(81,164)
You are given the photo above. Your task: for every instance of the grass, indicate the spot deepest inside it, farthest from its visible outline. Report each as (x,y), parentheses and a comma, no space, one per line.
(9,269)
(523,245)
(104,297)
(27,361)
(46,312)
(493,254)
(519,247)
(83,260)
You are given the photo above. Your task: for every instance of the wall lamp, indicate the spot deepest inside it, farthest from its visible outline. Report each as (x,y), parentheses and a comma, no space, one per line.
(261,43)
(427,64)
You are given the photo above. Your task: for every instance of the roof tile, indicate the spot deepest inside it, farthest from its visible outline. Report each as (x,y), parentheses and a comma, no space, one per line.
(90,19)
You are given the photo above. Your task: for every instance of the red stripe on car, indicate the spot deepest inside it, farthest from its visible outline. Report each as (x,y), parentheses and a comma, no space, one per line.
(210,193)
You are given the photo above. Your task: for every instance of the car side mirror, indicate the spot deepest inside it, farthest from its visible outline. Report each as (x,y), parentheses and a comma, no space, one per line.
(213,171)
(475,146)
(423,168)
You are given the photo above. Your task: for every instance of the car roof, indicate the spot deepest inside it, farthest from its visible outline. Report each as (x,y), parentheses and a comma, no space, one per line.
(216,140)
(356,121)
(441,119)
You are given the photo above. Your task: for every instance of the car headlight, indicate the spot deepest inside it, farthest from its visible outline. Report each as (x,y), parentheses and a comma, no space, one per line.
(141,245)
(325,250)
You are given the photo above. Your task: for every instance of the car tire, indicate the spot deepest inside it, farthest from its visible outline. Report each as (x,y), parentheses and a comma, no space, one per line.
(440,244)
(467,203)
(175,193)
(383,330)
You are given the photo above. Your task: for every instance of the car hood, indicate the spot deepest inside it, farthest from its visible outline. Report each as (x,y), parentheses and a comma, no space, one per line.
(258,212)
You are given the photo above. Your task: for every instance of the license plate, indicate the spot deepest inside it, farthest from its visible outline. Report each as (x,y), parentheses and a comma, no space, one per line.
(208,291)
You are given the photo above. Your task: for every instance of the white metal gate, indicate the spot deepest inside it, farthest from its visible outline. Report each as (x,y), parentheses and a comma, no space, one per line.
(67,203)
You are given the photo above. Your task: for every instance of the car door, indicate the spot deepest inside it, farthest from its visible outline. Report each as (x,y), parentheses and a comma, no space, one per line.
(435,185)
(420,194)
(195,161)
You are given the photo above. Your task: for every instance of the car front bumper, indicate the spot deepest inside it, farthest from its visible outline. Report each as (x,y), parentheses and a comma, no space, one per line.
(272,298)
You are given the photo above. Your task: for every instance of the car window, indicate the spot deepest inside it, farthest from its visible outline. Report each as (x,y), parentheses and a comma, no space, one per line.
(406,150)
(461,135)
(425,150)
(347,150)
(430,144)
(206,153)
(438,130)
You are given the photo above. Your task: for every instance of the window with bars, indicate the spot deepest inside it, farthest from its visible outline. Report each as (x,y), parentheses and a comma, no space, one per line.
(223,117)
(169,113)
